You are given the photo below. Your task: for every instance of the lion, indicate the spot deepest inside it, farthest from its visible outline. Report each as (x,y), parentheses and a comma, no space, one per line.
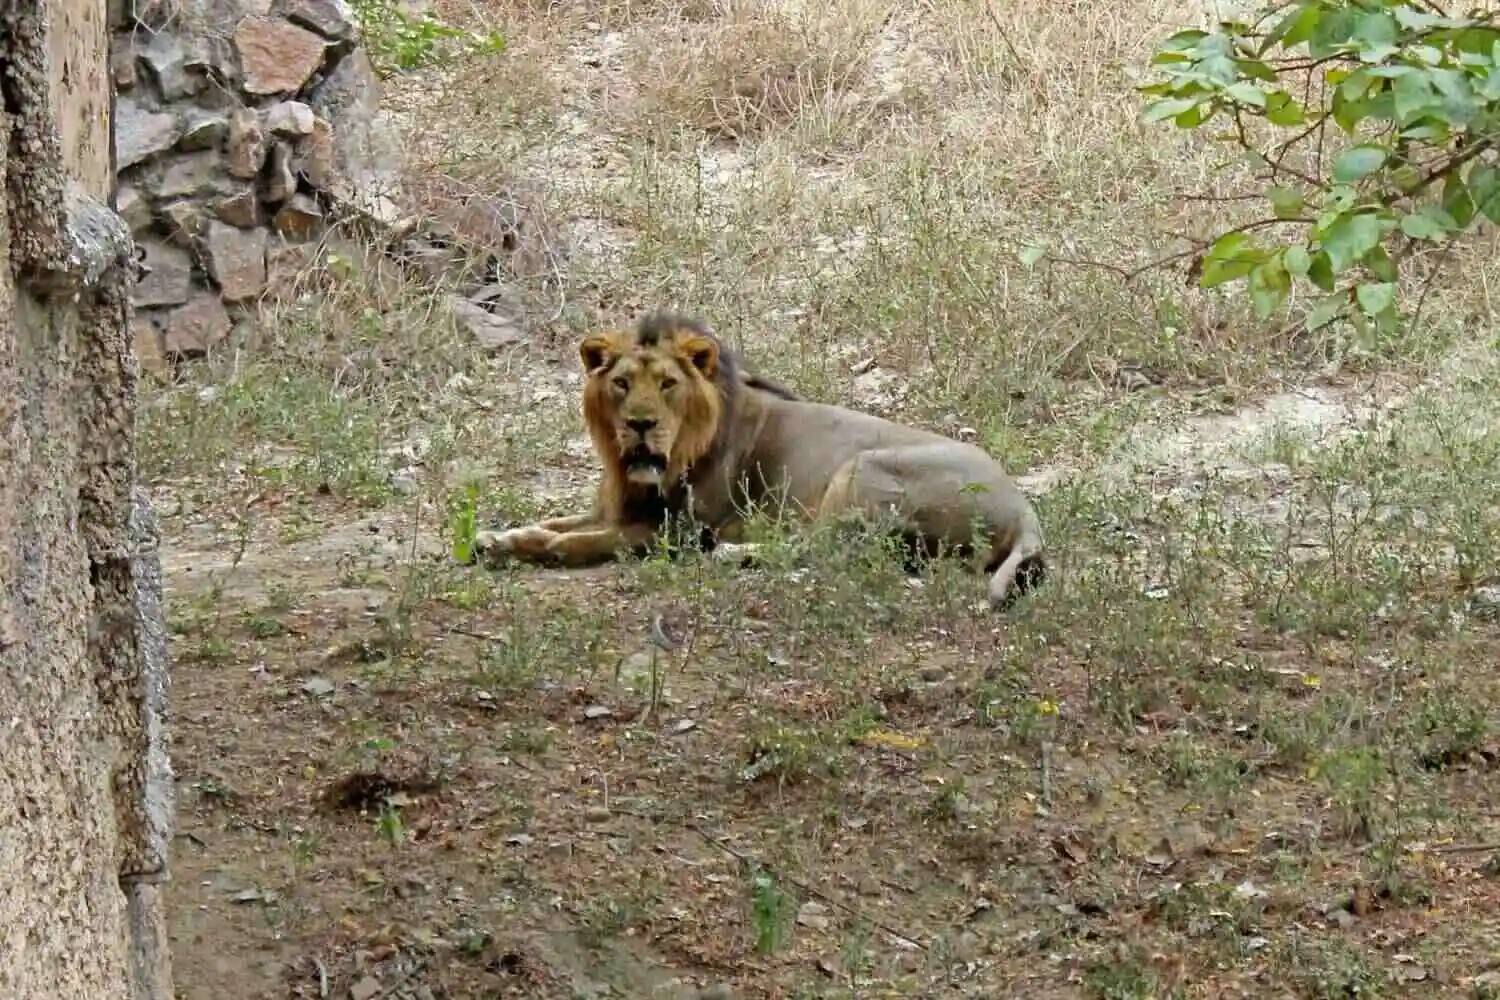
(684,433)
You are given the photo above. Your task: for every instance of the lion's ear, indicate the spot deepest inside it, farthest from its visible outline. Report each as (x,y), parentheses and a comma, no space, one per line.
(596,352)
(702,353)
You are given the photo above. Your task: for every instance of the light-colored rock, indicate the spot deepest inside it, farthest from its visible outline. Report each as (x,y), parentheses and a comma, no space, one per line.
(190,175)
(132,207)
(277,56)
(490,331)
(312,156)
(185,220)
(240,208)
(281,182)
(366,148)
(148,345)
(236,259)
(289,119)
(203,130)
(247,144)
(165,57)
(169,279)
(191,329)
(141,133)
(329,18)
(299,219)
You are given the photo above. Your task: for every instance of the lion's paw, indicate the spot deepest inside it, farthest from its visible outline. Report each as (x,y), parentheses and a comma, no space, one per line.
(496,546)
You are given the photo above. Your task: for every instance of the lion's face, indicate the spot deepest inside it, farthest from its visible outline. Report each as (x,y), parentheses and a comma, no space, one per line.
(652,400)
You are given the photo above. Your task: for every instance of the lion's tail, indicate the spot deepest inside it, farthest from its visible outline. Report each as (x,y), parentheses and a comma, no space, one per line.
(1023,568)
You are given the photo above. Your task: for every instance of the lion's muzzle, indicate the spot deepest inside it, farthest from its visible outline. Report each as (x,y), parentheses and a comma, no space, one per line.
(645,465)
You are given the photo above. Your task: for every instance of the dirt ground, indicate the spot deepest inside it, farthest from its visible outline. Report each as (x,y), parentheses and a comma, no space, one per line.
(1242,744)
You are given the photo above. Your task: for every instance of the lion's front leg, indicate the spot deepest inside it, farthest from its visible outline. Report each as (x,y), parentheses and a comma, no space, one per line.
(573,541)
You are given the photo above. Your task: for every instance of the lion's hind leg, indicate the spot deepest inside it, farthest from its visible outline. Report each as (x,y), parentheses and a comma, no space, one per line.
(939,500)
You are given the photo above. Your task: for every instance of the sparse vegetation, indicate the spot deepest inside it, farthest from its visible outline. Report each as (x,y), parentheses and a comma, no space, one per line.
(1242,743)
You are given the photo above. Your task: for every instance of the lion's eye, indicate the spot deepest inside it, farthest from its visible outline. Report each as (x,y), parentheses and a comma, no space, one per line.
(668,384)
(622,383)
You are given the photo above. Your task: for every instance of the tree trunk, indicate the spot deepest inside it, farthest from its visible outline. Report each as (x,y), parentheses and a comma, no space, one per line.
(85,783)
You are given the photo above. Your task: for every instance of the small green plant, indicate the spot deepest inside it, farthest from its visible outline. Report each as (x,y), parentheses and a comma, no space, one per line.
(462,520)
(399,42)
(772,911)
(389,824)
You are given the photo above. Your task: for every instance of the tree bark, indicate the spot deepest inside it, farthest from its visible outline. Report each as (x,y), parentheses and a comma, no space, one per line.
(85,780)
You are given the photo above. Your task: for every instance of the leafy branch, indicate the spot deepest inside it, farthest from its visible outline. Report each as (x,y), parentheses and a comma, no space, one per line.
(1408,94)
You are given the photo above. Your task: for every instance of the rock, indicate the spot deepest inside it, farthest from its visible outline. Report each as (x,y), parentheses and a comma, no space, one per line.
(236,258)
(289,119)
(300,218)
(134,209)
(169,279)
(1484,602)
(189,175)
(184,219)
(312,156)
(122,62)
(166,59)
(366,149)
(218,15)
(281,182)
(190,330)
(211,57)
(141,133)
(204,130)
(241,208)
(491,331)
(329,18)
(367,988)
(277,56)
(247,144)
(148,345)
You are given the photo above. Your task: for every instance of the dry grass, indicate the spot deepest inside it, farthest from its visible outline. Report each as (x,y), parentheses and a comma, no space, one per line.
(1243,744)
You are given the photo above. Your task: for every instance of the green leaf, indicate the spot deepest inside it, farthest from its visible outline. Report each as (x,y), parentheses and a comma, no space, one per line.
(1325,312)
(1347,114)
(1413,95)
(1349,238)
(1247,93)
(1256,69)
(1333,29)
(1430,223)
(1282,109)
(1232,256)
(1484,188)
(1456,201)
(1269,285)
(1375,299)
(1297,27)
(1298,260)
(1377,29)
(1286,201)
(1169,108)
(1184,40)
(1320,272)
(1032,254)
(1380,264)
(1361,161)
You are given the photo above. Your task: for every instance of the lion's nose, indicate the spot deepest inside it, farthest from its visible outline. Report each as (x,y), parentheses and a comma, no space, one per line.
(640,424)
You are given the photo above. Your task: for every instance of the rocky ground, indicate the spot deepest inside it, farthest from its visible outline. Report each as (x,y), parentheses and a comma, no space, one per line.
(1241,745)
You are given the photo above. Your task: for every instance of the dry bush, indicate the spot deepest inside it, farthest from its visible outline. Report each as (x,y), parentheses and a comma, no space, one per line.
(760,65)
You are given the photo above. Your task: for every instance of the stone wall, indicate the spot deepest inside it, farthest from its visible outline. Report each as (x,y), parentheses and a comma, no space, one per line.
(241,131)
